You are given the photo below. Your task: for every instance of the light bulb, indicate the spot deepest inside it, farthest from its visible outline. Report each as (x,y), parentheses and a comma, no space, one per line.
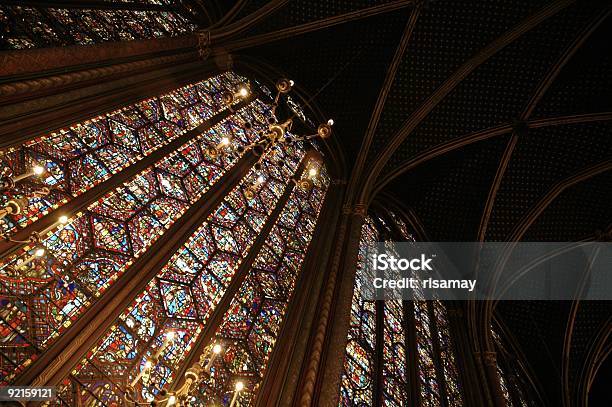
(39,252)
(330,122)
(148,364)
(217,349)
(312,172)
(170,335)
(291,82)
(225,141)
(239,386)
(260,179)
(243,91)
(38,169)
(63,219)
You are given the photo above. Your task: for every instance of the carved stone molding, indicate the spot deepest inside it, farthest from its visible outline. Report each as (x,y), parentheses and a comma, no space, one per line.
(360,210)
(10,91)
(22,62)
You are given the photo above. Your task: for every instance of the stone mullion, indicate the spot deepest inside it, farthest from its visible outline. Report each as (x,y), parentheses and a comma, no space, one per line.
(22,121)
(412,354)
(489,362)
(320,381)
(379,362)
(57,361)
(216,317)
(470,384)
(280,382)
(81,202)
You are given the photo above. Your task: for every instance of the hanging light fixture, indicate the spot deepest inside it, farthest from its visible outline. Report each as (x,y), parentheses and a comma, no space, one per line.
(276,133)
(182,396)
(230,97)
(13,207)
(144,375)
(238,387)
(8,182)
(16,205)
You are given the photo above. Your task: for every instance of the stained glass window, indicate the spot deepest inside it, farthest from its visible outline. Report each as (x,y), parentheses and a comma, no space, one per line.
(79,157)
(448,361)
(181,298)
(395,372)
(357,384)
(97,246)
(229,280)
(37,26)
(511,375)
(254,319)
(433,353)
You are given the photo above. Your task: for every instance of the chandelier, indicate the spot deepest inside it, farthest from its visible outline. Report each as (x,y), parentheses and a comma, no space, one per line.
(277,133)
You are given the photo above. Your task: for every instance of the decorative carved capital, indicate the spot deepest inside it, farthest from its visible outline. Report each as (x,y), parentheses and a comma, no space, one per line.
(489,358)
(346,209)
(360,210)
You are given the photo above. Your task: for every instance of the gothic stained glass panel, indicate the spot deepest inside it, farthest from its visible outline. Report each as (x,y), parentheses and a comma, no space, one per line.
(356,384)
(79,157)
(402,226)
(120,226)
(186,291)
(447,356)
(254,318)
(428,381)
(37,27)
(510,375)
(394,355)
(431,334)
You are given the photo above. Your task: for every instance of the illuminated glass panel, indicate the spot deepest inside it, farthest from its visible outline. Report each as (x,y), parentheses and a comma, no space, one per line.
(428,381)
(402,226)
(255,316)
(429,361)
(447,356)
(97,246)
(504,386)
(510,378)
(37,27)
(356,386)
(395,372)
(186,291)
(79,157)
